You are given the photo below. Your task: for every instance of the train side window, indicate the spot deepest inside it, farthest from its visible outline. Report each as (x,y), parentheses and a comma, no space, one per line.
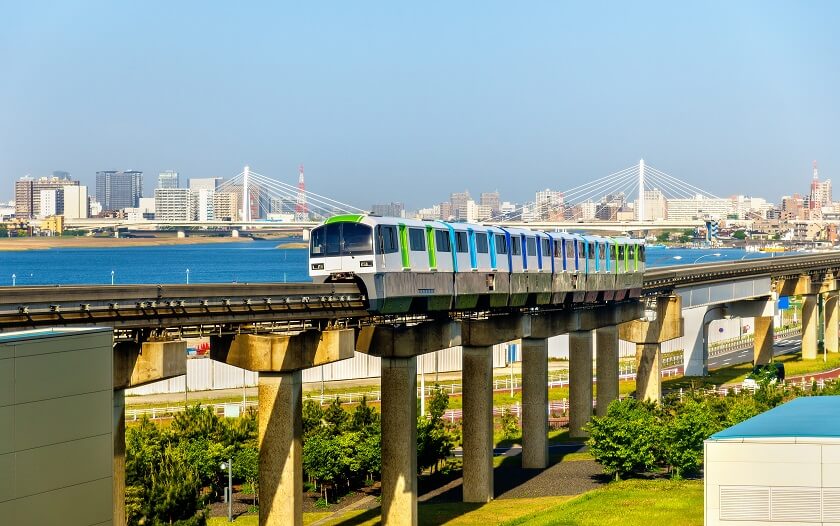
(442,241)
(318,242)
(481,245)
(532,246)
(558,248)
(591,251)
(416,239)
(641,253)
(570,249)
(387,239)
(620,252)
(602,251)
(545,247)
(501,244)
(461,245)
(515,246)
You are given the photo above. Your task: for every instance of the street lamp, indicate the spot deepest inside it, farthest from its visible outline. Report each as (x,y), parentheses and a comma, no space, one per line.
(716,254)
(188,276)
(112,277)
(229,491)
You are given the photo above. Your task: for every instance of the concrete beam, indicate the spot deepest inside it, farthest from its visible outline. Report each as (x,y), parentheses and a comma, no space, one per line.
(283,352)
(753,308)
(606,315)
(667,325)
(794,286)
(406,341)
(495,330)
(824,286)
(553,323)
(138,364)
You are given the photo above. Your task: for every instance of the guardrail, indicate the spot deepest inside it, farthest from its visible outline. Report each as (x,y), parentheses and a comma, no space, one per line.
(667,278)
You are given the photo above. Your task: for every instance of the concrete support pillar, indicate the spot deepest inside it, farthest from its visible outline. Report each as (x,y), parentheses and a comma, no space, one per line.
(695,350)
(580,382)
(606,367)
(830,315)
(399,439)
(478,423)
(119,457)
(280,443)
(810,321)
(763,343)
(649,371)
(534,403)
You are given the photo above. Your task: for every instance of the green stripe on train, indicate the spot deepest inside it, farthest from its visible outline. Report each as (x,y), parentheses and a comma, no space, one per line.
(406,262)
(346,218)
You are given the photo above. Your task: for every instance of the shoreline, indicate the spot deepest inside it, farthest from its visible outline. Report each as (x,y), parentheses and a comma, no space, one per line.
(20,244)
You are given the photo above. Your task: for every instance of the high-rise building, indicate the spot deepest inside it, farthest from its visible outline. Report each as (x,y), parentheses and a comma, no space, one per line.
(75,202)
(205,183)
(226,206)
(28,193)
(656,206)
(548,203)
(492,201)
(117,190)
(168,179)
(458,200)
(820,191)
(174,204)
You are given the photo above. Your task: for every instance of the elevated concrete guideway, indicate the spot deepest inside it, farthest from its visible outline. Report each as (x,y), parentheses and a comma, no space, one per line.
(278,330)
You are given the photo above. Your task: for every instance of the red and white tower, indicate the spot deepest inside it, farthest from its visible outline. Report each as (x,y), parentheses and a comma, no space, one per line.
(301,209)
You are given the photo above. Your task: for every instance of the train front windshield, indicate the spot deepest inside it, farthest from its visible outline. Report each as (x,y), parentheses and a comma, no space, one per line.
(341,239)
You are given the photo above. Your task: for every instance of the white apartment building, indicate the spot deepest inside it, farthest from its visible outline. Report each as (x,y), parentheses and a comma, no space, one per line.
(698,207)
(203,200)
(174,204)
(51,202)
(76,202)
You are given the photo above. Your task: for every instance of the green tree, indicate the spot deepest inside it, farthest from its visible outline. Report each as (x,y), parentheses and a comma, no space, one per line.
(685,429)
(739,234)
(336,417)
(313,416)
(246,466)
(433,441)
(663,237)
(364,416)
(510,425)
(625,440)
(322,460)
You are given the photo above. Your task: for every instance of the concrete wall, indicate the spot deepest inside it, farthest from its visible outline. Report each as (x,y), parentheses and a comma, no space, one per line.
(56,428)
(748,483)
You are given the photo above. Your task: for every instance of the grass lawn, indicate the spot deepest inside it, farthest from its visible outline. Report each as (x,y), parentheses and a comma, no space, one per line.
(253,520)
(627,503)
(794,366)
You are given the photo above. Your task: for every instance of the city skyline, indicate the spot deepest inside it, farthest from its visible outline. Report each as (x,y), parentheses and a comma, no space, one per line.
(406,100)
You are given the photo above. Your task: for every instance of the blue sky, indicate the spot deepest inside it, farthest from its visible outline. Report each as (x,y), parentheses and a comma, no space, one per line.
(388,101)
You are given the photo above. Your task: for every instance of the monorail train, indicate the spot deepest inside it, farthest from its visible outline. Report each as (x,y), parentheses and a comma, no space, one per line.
(405,265)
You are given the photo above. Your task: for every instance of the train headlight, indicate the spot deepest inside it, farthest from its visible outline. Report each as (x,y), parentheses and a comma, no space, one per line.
(366,263)
(317,266)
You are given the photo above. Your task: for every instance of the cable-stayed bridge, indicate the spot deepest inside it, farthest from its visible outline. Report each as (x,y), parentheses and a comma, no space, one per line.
(634,198)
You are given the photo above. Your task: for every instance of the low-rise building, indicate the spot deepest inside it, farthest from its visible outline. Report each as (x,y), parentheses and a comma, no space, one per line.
(780,467)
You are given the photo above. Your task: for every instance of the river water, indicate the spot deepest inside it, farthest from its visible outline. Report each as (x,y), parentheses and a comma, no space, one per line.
(252,262)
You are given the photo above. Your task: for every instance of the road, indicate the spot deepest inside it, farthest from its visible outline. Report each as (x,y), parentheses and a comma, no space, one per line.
(784,346)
